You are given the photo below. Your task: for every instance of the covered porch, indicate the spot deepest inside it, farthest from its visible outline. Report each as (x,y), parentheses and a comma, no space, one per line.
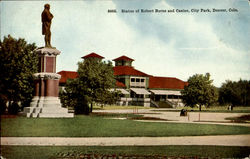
(173,97)
(140,96)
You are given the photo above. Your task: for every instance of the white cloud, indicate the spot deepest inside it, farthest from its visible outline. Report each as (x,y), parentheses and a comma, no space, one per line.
(177,45)
(192,47)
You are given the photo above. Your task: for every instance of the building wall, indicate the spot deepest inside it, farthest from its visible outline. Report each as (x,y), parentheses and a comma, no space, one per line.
(147,82)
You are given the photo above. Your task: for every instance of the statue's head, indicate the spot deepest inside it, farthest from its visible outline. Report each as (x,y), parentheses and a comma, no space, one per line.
(47,6)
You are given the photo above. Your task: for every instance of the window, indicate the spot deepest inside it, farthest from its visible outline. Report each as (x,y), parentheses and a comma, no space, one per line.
(138,82)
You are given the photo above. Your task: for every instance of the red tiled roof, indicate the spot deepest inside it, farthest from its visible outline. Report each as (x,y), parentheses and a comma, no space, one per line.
(125,58)
(166,83)
(154,82)
(120,84)
(127,70)
(92,55)
(65,75)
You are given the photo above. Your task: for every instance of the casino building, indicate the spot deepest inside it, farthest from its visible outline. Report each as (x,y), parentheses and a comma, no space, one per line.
(136,87)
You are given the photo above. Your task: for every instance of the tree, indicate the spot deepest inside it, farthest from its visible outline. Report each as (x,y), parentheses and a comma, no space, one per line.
(235,93)
(95,79)
(18,63)
(74,96)
(199,91)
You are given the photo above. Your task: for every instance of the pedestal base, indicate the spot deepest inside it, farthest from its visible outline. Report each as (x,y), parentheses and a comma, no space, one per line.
(46,103)
(47,107)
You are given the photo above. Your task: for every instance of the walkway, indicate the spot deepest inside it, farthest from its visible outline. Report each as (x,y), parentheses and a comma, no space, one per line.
(174,117)
(224,140)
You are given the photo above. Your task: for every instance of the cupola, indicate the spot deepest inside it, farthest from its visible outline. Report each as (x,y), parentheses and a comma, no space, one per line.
(123,61)
(92,56)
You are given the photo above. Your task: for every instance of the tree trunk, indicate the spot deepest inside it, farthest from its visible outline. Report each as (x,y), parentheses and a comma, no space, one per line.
(200,108)
(91,107)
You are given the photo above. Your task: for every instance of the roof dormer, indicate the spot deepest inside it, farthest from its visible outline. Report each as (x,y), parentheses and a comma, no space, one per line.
(123,61)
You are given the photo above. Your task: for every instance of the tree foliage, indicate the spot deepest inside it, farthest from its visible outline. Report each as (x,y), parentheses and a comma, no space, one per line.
(200,91)
(18,63)
(235,93)
(73,96)
(95,79)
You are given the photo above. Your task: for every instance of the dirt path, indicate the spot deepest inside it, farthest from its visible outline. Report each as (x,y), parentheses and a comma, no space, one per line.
(225,140)
(193,117)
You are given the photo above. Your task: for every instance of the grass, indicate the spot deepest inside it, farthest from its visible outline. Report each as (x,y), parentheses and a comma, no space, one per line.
(114,107)
(114,115)
(99,126)
(218,109)
(70,152)
(213,109)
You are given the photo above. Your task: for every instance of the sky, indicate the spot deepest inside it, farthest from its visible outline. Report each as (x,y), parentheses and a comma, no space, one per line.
(167,44)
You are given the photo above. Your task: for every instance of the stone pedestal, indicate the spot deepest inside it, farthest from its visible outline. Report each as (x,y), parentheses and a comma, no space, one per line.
(45,102)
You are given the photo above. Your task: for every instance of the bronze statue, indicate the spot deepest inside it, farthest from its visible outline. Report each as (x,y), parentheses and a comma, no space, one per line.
(46,20)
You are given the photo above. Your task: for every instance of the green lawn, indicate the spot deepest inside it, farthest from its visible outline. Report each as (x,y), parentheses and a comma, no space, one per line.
(212,109)
(99,126)
(72,152)
(113,107)
(218,109)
